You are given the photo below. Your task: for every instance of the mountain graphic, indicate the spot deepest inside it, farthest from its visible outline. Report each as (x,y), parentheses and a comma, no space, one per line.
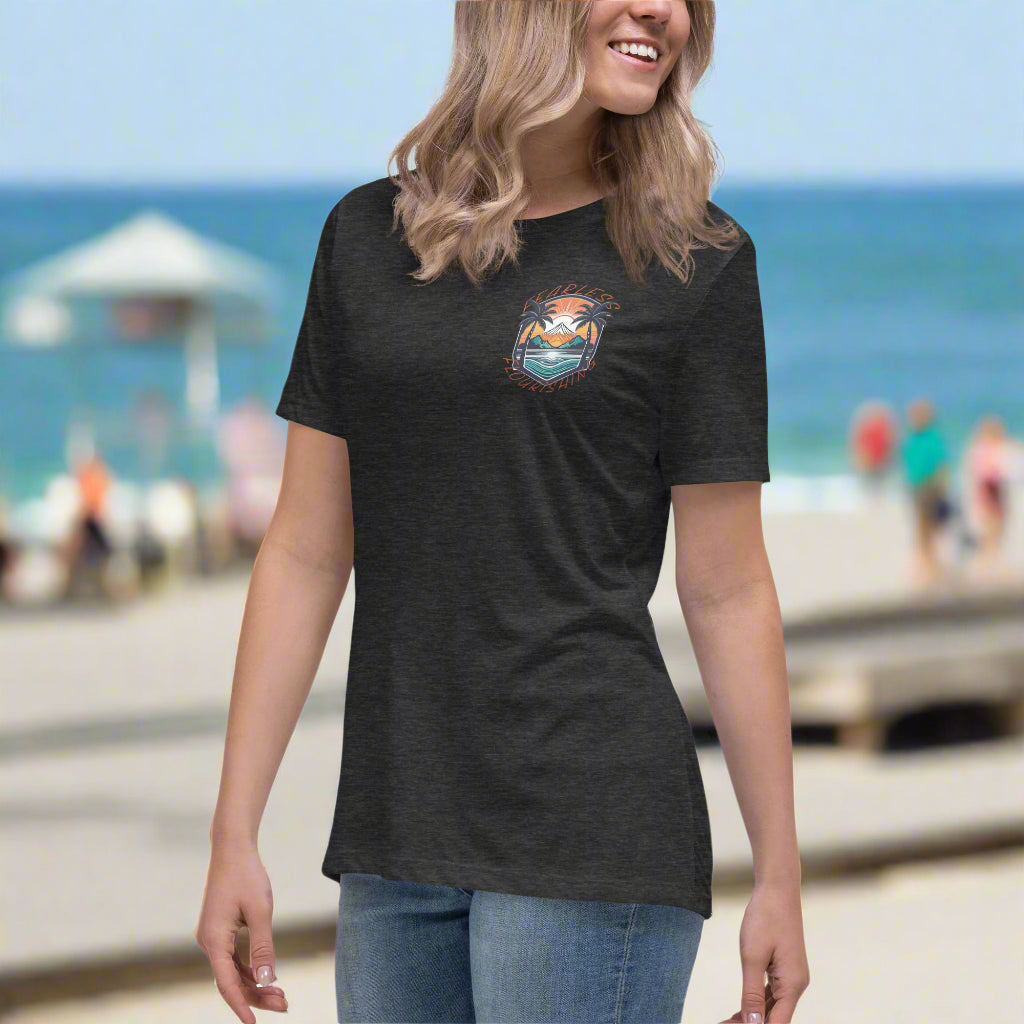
(557,337)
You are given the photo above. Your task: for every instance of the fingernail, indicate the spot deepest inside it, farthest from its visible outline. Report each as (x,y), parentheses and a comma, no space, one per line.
(753,1017)
(265,975)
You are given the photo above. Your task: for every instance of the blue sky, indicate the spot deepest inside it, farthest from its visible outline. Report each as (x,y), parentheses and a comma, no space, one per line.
(241,90)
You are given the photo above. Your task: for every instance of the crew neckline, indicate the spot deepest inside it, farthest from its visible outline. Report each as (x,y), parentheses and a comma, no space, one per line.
(591,207)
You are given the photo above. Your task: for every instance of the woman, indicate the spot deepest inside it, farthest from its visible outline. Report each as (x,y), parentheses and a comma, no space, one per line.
(492,411)
(987,469)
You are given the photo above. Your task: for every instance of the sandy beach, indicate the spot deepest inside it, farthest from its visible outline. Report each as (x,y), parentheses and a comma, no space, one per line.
(829,549)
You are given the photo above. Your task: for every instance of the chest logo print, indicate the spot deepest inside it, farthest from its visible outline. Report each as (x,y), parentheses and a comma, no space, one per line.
(557,338)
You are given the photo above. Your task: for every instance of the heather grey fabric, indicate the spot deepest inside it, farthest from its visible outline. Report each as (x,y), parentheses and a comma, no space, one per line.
(509,722)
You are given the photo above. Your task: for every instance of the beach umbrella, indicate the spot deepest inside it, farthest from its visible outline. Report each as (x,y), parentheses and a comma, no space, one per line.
(157,275)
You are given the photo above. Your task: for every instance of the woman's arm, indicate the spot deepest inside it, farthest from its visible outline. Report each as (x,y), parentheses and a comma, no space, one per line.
(298,580)
(297,583)
(728,598)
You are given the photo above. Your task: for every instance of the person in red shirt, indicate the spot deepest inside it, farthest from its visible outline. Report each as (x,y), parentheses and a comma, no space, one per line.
(873,441)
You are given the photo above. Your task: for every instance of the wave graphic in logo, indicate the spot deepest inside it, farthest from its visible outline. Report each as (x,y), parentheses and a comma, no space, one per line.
(559,336)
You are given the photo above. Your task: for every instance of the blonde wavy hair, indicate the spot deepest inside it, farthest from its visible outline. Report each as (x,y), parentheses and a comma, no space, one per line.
(520,64)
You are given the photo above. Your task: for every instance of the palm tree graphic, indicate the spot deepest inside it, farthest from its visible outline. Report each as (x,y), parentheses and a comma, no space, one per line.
(535,314)
(596,314)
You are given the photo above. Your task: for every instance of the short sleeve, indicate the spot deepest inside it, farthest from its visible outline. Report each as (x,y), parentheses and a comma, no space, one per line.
(714,413)
(312,393)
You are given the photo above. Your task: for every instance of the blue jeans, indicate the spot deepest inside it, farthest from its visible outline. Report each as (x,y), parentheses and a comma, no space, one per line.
(415,952)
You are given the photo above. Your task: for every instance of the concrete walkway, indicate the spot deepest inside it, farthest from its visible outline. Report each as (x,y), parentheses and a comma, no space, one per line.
(939,942)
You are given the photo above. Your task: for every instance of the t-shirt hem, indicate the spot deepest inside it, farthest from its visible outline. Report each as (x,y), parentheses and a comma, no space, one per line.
(288,411)
(718,471)
(523,882)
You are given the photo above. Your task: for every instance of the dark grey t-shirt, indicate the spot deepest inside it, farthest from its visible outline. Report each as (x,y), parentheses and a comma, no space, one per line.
(509,721)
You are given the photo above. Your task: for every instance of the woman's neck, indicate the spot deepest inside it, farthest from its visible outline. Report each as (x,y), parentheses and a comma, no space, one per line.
(557,166)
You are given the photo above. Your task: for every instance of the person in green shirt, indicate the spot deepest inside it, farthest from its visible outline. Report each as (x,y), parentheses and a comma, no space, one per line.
(926,464)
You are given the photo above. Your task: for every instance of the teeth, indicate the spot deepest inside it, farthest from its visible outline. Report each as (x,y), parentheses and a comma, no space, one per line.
(636,50)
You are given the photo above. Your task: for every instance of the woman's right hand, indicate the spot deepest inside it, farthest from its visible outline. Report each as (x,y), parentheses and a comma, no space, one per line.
(237,895)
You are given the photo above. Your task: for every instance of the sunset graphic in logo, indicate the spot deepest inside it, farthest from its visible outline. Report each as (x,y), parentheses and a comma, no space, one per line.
(558,336)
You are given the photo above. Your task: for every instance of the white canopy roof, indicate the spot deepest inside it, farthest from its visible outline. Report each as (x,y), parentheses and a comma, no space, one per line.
(148,254)
(149,257)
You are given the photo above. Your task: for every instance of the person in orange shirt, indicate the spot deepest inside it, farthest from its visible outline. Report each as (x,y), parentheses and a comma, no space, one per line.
(94,481)
(90,545)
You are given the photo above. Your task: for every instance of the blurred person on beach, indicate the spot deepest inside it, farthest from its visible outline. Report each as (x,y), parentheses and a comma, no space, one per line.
(7,555)
(521,830)
(251,447)
(926,463)
(88,548)
(872,442)
(989,465)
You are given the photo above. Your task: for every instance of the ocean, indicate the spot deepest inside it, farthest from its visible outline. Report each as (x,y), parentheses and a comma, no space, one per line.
(868,291)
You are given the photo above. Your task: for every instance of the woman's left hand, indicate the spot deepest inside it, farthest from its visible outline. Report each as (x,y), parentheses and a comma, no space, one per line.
(772,942)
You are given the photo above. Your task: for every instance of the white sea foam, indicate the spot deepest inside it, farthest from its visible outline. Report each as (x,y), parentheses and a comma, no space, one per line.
(839,492)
